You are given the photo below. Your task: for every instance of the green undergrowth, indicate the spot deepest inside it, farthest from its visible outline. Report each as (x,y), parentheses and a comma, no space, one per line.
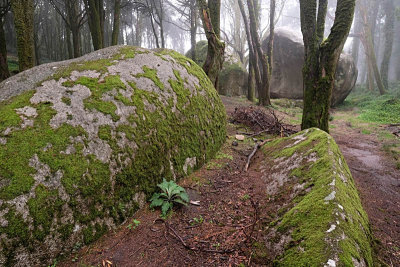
(291,107)
(13,65)
(383,109)
(310,218)
(164,140)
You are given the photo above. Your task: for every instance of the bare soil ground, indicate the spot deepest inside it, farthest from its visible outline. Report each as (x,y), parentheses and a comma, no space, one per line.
(378,182)
(226,228)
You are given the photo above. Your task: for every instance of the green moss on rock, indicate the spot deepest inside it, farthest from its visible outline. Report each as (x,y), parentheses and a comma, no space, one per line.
(326,223)
(81,151)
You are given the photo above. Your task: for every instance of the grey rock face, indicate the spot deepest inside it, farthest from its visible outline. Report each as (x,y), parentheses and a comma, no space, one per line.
(287,79)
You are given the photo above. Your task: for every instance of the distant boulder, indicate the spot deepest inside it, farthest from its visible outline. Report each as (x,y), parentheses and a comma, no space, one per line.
(233,80)
(233,76)
(287,79)
(201,52)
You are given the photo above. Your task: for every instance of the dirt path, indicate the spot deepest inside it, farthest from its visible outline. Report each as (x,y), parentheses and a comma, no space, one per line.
(378,182)
(225,229)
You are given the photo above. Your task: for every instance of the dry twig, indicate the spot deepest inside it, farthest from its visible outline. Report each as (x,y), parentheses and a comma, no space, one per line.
(256,147)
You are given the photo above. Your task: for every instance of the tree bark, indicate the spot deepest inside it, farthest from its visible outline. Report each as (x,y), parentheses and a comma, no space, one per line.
(215,11)
(4,72)
(321,57)
(356,40)
(23,20)
(389,32)
(95,11)
(193,28)
(216,49)
(263,86)
(370,51)
(117,13)
(68,40)
(271,37)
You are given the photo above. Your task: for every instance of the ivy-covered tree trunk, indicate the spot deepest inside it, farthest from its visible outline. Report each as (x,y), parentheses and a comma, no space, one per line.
(23,20)
(321,57)
(389,9)
(216,49)
(117,13)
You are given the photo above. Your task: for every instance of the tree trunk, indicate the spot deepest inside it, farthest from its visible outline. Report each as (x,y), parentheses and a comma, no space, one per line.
(271,37)
(251,78)
(389,32)
(321,57)
(95,11)
(216,49)
(356,40)
(117,12)
(23,20)
(263,88)
(4,72)
(193,28)
(371,57)
(251,92)
(69,46)
(215,10)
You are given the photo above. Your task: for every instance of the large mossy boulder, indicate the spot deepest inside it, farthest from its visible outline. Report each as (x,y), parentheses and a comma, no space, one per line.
(287,79)
(320,220)
(233,78)
(84,142)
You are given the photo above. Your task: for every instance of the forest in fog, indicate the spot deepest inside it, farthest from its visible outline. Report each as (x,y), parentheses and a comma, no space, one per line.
(64,29)
(200,133)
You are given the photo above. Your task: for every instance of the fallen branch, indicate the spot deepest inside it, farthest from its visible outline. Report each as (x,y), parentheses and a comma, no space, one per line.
(256,147)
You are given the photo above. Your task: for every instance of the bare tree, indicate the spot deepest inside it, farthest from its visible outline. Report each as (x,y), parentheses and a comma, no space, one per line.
(74,18)
(187,9)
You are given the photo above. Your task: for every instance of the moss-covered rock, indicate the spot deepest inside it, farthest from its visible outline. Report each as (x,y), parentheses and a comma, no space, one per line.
(233,78)
(84,142)
(323,223)
(201,52)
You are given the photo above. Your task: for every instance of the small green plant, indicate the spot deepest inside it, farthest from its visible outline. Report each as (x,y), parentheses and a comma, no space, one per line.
(135,223)
(245,197)
(197,221)
(171,193)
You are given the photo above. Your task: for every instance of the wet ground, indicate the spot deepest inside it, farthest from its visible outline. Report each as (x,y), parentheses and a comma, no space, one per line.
(378,182)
